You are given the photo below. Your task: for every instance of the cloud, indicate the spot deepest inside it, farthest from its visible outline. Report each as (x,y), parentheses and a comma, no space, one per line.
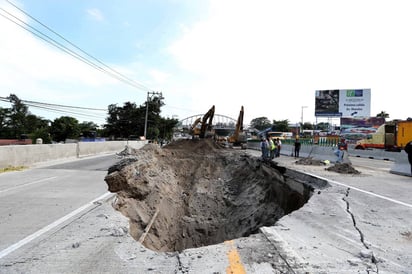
(271,56)
(35,70)
(96,14)
(159,76)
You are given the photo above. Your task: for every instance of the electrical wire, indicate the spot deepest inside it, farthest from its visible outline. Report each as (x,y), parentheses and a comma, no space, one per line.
(80,111)
(78,48)
(111,72)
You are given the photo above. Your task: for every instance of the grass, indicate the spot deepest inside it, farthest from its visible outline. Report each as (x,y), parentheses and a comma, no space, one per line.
(12,168)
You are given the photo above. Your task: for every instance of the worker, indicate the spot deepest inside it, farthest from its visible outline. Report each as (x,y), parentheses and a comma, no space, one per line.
(297,146)
(272,148)
(264,147)
(278,144)
(408,150)
(340,152)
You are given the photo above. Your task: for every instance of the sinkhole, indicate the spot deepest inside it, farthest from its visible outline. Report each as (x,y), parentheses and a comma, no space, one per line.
(193,194)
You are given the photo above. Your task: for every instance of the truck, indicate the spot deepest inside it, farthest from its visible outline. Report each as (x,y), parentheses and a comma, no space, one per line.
(374,140)
(391,136)
(397,135)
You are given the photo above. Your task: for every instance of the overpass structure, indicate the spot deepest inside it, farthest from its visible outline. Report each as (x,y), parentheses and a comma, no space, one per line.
(222,124)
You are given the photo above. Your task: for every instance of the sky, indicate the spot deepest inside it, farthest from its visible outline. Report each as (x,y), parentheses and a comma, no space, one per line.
(269,56)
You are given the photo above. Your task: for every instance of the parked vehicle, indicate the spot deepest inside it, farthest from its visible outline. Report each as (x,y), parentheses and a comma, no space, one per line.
(397,135)
(391,136)
(374,140)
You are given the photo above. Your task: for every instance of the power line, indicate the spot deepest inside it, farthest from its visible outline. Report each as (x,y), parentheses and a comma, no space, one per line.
(111,72)
(84,112)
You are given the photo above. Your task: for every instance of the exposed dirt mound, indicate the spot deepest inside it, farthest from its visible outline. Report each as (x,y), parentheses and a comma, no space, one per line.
(310,162)
(192,193)
(343,168)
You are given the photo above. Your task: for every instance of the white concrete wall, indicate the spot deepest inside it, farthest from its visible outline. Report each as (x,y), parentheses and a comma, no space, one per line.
(26,155)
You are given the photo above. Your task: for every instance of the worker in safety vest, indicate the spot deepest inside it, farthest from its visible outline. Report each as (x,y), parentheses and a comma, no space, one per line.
(272,148)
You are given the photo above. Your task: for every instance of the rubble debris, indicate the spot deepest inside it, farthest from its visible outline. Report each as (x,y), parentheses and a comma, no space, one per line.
(192,193)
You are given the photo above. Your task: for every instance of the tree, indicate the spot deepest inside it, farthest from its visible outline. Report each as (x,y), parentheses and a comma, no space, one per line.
(17,121)
(129,120)
(307,125)
(260,123)
(323,126)
(64,128)
(4,123)
(88,129)
(17,116)
(282,125)
(125,121)
(382,114)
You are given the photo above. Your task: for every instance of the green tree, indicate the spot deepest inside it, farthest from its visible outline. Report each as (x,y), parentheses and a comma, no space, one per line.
(4,123)
(64,128)
(260,123)
(129,120)
(17,121)
(123,122)
(323,126)
(88,129)
(282,125)
(307,125)
(17,116)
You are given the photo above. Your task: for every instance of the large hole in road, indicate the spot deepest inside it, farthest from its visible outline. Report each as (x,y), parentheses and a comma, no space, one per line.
(193,193)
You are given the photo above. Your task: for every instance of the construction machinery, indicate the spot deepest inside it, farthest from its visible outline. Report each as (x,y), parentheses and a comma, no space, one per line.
(202,127)
(238,138)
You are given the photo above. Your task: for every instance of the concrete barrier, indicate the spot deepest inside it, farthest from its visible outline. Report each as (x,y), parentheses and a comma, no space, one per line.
(26,155)
(401,165)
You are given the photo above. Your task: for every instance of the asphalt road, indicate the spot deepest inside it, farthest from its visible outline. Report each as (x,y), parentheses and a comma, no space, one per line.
(360,224)
(39,199)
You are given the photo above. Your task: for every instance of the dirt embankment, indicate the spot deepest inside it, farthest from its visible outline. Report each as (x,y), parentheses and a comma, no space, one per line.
(192,193)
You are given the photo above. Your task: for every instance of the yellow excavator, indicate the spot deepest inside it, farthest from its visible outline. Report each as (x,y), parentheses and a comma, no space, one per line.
(202,127)
(238,138)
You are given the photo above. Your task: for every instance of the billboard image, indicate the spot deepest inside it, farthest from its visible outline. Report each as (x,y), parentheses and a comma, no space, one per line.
(343,103)
(327,103)
(359,128)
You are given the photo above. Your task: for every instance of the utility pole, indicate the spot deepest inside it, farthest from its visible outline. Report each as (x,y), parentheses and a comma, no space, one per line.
(150,94)
(301,119)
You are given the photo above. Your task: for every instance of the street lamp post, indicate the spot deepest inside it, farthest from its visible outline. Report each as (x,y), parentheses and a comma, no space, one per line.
(301,119)
(149,96)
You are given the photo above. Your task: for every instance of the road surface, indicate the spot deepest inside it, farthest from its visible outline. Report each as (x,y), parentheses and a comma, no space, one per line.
(360,224)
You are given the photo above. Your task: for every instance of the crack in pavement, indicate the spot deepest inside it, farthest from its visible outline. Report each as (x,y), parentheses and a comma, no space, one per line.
(362,237)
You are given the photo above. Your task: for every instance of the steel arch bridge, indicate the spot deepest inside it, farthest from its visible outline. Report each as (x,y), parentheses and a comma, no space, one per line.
(219,121)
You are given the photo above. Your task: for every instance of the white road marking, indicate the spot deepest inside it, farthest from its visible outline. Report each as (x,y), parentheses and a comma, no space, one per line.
(363,191)
(31,183)
(45,229)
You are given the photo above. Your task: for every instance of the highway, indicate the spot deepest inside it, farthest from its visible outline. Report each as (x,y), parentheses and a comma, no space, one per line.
(34,199)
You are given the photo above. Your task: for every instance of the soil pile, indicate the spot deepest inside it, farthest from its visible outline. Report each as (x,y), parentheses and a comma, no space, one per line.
(310,162)
(192,193)
(343,168)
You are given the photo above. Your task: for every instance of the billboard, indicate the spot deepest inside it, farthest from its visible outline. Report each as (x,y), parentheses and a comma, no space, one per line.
(343,103)
(356,128)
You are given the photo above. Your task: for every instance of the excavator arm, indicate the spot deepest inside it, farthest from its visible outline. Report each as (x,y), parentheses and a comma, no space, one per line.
(207,122)
(238,138)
